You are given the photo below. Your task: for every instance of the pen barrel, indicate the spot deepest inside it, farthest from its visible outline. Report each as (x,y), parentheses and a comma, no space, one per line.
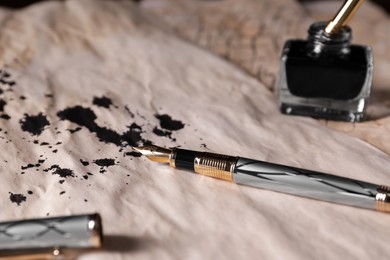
(78,232)
(311,184)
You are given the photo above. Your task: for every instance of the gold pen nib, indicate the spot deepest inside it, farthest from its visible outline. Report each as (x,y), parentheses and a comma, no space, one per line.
(343,16)
(155,153)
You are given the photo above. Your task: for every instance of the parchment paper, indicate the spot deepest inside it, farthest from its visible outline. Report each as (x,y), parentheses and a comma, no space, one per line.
(87,79)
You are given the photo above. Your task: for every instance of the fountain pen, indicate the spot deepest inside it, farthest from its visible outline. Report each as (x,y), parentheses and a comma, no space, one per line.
(275,177)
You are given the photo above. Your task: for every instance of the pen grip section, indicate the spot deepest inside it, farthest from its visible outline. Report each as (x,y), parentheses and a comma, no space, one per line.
(209,164)
(306,183)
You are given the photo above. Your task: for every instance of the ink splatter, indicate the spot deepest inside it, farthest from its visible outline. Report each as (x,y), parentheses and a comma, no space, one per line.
(62,172)
(133,154)
(28,166)
(102,102)
(17,198)
(62,192)
(160,132)
(2,105)
(5,116)
(104,162)
(166,122)
(34,124)
(86,117)
(85,177)
(133,136)
(129,111)
(30,192)
(44,143)
(84,163)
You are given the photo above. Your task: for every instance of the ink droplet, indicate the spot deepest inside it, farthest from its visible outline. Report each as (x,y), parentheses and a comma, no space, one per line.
(102,102)
(17,198)
(2,105)
(168,123)
(84,163)
(34,124)
(133,154)
(62,172)
(104,162)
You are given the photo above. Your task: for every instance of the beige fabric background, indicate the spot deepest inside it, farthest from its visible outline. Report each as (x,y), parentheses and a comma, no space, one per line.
(78,50)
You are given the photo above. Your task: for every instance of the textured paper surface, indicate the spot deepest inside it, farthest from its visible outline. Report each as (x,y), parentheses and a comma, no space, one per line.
(78,56)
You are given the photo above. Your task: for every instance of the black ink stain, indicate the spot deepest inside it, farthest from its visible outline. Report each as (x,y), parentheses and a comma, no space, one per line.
(129,111)
(102,102)
(166,122)
(62,192)
(62,172)
(30,192)
(133,154)
(160,132)
(2,105)
(34,124)
(5,116)
(28,166)
(44,143)
(17,198)
(85,163)
(104,162)
(86,117)
(133,136)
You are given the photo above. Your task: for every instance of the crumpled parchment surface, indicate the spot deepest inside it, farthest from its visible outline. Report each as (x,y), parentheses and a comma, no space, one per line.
(132,80)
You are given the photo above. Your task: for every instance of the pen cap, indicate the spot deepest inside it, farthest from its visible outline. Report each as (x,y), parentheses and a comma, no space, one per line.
(80,231)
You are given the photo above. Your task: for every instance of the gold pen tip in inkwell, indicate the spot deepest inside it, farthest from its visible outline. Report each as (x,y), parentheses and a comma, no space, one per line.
(343,16)
(155,153)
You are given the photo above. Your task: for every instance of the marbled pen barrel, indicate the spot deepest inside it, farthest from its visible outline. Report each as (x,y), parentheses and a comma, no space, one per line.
(285,179)
(310,184)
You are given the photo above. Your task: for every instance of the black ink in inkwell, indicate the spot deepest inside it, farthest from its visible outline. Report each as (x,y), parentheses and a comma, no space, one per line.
(326,76)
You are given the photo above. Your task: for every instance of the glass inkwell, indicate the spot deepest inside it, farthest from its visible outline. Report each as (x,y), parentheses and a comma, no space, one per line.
(326,76)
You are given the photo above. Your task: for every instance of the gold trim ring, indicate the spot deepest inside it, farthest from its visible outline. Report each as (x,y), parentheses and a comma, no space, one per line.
(215,165)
